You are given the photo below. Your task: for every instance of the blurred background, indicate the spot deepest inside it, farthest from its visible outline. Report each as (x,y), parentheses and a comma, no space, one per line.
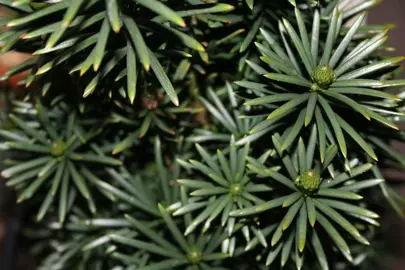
(14,257)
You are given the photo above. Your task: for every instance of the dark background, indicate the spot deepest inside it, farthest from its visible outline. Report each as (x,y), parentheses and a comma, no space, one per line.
(389,11)
(393,11)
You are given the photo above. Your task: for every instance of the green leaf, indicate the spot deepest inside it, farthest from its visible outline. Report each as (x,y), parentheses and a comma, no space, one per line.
(63,198)
(289,79)
(280,178)
(47,167)
(311,211)
(340,194)
(292,212)
(39,14)
(27,147)
(132,74)
(291,54)
(175,232)
(273,254)
(35,185)
(165,264)
(346,207)
(315,36)
(363,184)
(23,177)
(113,15)
(334,234)
(311,147)
(209,191)
(29,130)
(138,41)
(302,228)
(320,253)
(225,200)
(313,98)
(184,38)
(330,39)
(286,251)
(254,29)
(335,216)
(163,10)
(250,3)
(304,35)
(220,114)
(99,49)
(197,11)
(70,14)
(189,208)
(295,130)
(299,45)
(346,40)
(155,249)
(224,165)
(259,208)
(292,198)
(379,65)
(202,217)
(78,180)
(95,158)
(364,92)
(270,99)
(359,140)
(330,155)
(288,107)
(343,67)
(209,160)
(19,168)
(162,78)
(335,125)
(46,204)
(320,124)
(344,176)
(350,102)
(194,183)
(358,83)
(274,44)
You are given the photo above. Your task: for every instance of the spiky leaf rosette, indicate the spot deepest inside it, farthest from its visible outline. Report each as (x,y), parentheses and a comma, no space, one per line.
(224,186)
(50,147)
(153,114)
(155,232)
(312,192)
(171,248)
(80,243)
(323,82)
(224,119)
(114,37)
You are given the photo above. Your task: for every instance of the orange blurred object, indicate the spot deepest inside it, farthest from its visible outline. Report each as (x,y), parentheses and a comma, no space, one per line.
(9,60)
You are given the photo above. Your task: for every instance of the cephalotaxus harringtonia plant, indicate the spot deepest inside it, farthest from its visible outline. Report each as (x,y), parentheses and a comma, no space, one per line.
(112,32)
(202,134)
(312,192)
(52,149)
(320,84)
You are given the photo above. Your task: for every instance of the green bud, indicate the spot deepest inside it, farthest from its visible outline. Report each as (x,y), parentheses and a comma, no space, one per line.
(38,5)
(194,256)
(308,181)
(323,76)
(58,148)
(236,189)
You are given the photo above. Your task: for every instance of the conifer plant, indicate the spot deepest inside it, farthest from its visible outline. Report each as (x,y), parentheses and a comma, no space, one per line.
(203,134)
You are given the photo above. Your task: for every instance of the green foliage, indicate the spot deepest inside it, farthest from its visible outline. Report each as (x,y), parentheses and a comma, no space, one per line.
(309,194)
(203,134)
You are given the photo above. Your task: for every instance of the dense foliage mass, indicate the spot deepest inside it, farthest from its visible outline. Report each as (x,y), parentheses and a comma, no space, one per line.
(202,134)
